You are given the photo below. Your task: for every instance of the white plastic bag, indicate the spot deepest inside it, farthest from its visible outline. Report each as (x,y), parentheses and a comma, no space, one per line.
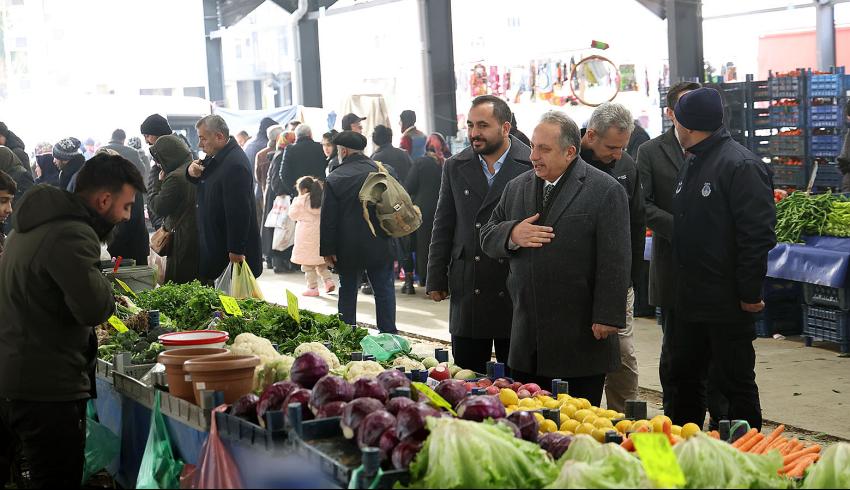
(284,235)
(224,283)
(279,212)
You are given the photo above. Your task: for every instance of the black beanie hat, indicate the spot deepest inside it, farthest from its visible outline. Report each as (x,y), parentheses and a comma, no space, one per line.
(408,118)
(156,125)
(4,130)
(700,110)
(351,139)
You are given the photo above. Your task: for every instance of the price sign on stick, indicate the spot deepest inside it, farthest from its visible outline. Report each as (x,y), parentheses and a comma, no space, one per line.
(433,397)
(231,307)
(125,287)
(659,461)
(118,324)
(292,306)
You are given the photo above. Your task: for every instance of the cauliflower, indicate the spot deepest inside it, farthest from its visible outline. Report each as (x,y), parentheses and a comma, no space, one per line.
(408,364)
(423,350)
(248,344)
(362,369)
(321,350)
(271,372)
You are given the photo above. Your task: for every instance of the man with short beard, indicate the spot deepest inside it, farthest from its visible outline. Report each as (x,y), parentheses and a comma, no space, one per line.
(473,181)
(53,296)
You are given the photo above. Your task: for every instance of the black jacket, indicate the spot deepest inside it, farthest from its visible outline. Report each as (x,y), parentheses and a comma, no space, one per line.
(659,161)
(723,228)
(480,304)
(344,231)
(639,137)
(626,172)
(304,158)
(227,214)
(423,184)
(53,295)
(131,237)
(49,172)
(16,144)
(130,154)
(66,175)
(396,157)
(20,173)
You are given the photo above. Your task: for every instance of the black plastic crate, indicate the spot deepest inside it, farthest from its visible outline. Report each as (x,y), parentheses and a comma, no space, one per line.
(789,175)
(783,317)
(780,289)
(785,88)
(782,145)
(828,325)
(829,175)
(781,116)
(816,295)
(233,428)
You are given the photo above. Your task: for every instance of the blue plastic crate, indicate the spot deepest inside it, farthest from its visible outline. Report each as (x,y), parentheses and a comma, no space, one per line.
(781,145)
(829,175)
(826,85)
(828,325)
(826,145)
(780,289)
(783,317)
(826,116)
(785,88)
(838,298)
(781,116)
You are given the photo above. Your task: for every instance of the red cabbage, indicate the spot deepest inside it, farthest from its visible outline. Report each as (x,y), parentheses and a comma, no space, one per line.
(354,413)
(373,427)
(480,408)
(308,369)
(273,398)
(330,389)
(370,388)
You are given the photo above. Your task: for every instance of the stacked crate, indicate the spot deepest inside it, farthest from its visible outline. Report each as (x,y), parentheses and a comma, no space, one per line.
(826,316)
(788,143)
(827,99)
(783,311)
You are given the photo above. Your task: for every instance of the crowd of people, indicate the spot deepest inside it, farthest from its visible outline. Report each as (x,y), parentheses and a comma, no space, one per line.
(536,242)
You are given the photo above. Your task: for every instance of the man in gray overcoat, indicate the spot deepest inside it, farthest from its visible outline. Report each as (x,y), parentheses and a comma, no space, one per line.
(564,228)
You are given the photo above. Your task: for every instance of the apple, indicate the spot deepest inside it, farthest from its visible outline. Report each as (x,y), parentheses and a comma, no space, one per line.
(531,387)
(543,393)
(439,373)
(523,394)
(516,386)
(485,383)
(469,386)
(493,390)
(502,383)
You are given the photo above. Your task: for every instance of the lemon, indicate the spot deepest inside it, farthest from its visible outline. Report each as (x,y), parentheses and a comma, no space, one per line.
(563,397)
(620,416)
(508,397)
(590,419)
(689,430)
(638,424)
(565,432)
(603,423)
(609,414)
(623,426)
(599,434)
(539,416)
(569,410)
(552,404)
(582,414)
(548,426)
(583,403)
(544,398)
(585,429)
(657,423)
(527,403)
(676,430)
(512,408)
(570,425)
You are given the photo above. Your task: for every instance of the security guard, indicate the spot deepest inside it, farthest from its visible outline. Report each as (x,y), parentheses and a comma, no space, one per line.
(723,228)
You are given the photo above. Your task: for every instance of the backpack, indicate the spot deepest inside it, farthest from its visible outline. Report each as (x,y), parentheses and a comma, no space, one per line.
(397,214)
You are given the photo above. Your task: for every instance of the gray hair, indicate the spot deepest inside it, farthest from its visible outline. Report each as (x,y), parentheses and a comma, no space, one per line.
(303,130)
(214,123)
(570,134)
(611,115)
(274,131)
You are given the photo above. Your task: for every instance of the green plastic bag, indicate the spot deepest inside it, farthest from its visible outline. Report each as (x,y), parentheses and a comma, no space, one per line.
(102,445)
(385,346)
(159,469)
(244,283)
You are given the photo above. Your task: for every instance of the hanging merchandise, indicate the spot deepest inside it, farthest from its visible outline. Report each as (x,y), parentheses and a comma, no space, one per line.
(478,80)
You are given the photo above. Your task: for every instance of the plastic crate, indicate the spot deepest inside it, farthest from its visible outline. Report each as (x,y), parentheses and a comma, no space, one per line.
(816,295)
(240,430)
(826,116)
(787,145)
(187,413)
(826,145)
(781,116)
(789,175)
(829,175)
(828,325)
(783,317)
(780,289)
(826,85)
(785,88)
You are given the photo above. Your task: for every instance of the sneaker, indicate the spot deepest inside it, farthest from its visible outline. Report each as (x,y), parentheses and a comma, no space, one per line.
(330,286)
(311,293)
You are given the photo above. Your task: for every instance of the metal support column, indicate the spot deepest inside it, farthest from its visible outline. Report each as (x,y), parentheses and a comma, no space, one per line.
(684,40)
(215,66)
(310,64)
(825,34)
(440,63)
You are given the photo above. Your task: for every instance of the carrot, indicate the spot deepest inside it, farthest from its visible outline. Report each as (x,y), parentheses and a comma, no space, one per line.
(714,434)
(779,442)
(763,445)
(800,467)
(744,438)
(749,445)
(797,455)
(792,446)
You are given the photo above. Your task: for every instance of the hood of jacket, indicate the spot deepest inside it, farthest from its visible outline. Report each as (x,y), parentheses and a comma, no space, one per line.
(45,204)
(8,160)
(47,166)
(171,153)
(13,141)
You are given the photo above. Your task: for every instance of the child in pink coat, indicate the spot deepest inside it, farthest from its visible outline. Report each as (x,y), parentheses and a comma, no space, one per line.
(306,211)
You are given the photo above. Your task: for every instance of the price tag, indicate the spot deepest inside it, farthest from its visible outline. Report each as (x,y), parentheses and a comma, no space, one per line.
(659,461)
(118,324)
(125,287)
(434,398)
(231,307)
(292,306)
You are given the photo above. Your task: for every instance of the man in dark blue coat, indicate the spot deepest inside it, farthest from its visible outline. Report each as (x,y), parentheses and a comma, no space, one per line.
(347,242)
(227,216)
(723,228)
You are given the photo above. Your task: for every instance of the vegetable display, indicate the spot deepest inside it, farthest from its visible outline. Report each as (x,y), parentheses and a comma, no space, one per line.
(808,214)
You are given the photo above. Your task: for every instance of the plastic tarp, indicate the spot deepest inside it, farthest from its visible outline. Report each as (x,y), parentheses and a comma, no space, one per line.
(250,120)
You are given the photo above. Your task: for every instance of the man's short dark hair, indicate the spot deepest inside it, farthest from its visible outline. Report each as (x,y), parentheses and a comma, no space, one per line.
(119,135)
(501,110)
(676,91)
(382,135)
(7,183)
(105,172)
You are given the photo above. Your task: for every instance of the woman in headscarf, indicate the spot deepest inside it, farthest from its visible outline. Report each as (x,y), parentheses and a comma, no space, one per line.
(48,172)
(274,187)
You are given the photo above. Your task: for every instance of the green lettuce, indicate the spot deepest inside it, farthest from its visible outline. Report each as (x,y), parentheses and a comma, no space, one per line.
(589,464)
(710,463)
(833,469)
(464,454)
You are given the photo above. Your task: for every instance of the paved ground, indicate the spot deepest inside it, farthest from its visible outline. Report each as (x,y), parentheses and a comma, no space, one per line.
(808,388)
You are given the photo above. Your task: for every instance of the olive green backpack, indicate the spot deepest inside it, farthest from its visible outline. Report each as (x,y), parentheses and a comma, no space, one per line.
(397,214)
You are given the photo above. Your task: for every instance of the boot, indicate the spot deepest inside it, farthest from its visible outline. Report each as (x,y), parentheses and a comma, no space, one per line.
(408,285)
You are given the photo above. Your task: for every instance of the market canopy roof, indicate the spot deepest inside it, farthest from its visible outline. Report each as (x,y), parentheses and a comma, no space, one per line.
(232,11)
